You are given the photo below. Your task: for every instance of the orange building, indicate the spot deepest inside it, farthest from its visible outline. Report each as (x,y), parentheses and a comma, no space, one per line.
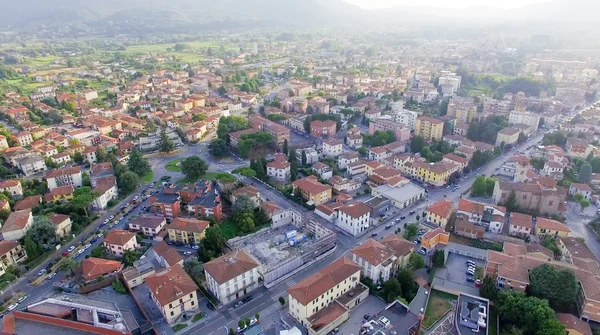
(430,240)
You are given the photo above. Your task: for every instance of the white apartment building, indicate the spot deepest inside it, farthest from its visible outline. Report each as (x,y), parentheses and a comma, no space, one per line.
(528,118)
(232,275)
(117,241)
(31,165)
(377,260)
(347,158)
(106,191)
(451,79)
(491,217)
(407,118)
(332,148)
(353,218)
(62,177)
(279,168)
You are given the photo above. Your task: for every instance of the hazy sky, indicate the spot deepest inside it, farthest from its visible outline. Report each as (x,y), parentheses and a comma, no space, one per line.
(505,4)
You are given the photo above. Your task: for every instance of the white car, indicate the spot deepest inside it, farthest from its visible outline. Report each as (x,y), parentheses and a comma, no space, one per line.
(80,252)
(111,217)
(87,246)
(13,306)
(71,248)
(21,299)
(253,321)
(50,276)
(187,253)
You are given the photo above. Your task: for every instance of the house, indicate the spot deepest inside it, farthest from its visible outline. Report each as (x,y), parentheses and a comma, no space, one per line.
(62,193)
(165,255)
(354,140)
(232,275)
(582,189)
(341,184)
(323,129)
(532,196)
(436,174)
(66,176)
(61,158)
(577,147)
(195,134)
(322,301)
(353,217)
(548,227)
(400,196)
(332,147)
(187,231)
(28,203)
(312,190)
(148,225)
(377,260)
(440,212)
(24,138)
(117,241)
(107,190)
(62,224)
(13,187)
(279,168)
(433,238)
(173,291)
(520,224)
(31,164)
(16,225)
(93,268)
(202,199)
(11,253)
(346,158)
(3,143)
(573,324)
(553,169)
(462,162)
(507,136)
(249,191)
(491,217)
(429,128)
(99,171)
(462,227)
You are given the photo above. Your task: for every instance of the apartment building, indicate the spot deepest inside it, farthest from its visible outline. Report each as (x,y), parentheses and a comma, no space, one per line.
(400,130)
(429,128)
(232,275)
(117,241)
(16,225)
(491,217)
(106,189)
(440,212)
(529,118)
(187,230)
(92,268)
(13,187)
(62,224)
(66,176)
(582,189)
(167,202)
(353,217)
(322,301)
(332,148)
(11,253)
(548,227)
(407,118)
(250,191)
(279,168)
(507,136)
(312,190)
(520,224)
(323,129)
(381,259)
(148,225)
(346,158)
(174,292)
(279,132)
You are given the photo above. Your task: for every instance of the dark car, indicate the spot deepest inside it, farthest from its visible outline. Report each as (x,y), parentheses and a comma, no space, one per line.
(367,317)
(470,279)
(411,212)
(247,299)
(388,226)
(374,234)
(210,306)
(402,217)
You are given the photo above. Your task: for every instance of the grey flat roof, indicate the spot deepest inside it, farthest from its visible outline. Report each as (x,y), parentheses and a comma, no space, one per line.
(399,194)
(401,319)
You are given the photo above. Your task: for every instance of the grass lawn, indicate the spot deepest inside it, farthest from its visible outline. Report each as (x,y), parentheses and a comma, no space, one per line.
(172,165)
(230,230)
(493,324)
(437,306)
(198,317)
(179,327)
(148,177)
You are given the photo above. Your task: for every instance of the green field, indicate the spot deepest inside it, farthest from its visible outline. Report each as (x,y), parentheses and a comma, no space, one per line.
(172,165)
(41,61)
(148,177)
(438,305)
(189,55)
(230,229)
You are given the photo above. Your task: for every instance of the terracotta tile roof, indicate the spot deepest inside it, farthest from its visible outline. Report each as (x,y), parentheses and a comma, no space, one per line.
(270,207)
(28,203)
(279,164)
(544,223)
(230,265)
(456,158)
(521,220)
(400,246)
(189,225)
(6,246)
(151,222)
(9,183)
(16,220)
(311,185)
(581,187)
(433,233)
(250,191)
(373,252)
(170,284)
(57,219)
(170,255)
(118,237)
(355,210)
(429,119)
(62,172)
(96,168)
(62,190)
(442,208)
(572,322)
(94,267)
(386,172)
(328,277)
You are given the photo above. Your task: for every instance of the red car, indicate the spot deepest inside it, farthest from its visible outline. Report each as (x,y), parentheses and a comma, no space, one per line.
(65,253)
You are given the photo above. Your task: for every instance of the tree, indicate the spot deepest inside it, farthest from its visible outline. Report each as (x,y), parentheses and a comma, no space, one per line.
(193,268)
(244,221)
(128,182)
(98,251)
(285,146)
(488,288)
(129,257)
(78,157)
(4,213)
(410,231)
(242,323)
(282,301)
(479,187)
(165,144)
(138,164)
(438,258)
(511,203)
(31,248)
(218,147)
(559,287)
(362,151)
(304,158)
(245,171)
(584,203)
(257,316)
(526,313)
(585,173)
(417,143)
(67,264)
(409,286)
(212,244)
(391,289)
(231,331)
(193,167)
(243,204)
(260,217)
(43,232)
(416,261)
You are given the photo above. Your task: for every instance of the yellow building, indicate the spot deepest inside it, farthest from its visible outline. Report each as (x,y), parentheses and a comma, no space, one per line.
(466,114)
(61,193)
(187,230)
(551,227)
(440,212)
(174,292)
(429,128)
(430,240)
(312,190)
(436,174)
(322,301)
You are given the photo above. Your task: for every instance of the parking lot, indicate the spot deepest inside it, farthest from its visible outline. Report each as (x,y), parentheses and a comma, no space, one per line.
(453,276)
(371,305)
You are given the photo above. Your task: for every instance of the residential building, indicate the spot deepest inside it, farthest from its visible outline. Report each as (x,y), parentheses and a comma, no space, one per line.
(435,174)
(202,199)
(574,325)
(167,202)
(279,132)
(553,169)
(99,171)
(377,260)
(400,130)
(323,129)
(532,197)
(440,212)
(434,238)
(31,164)
(107,190)
(66,176)
(462,227)
(312,190)
(323,170)
(11,253)
(174,292)
(407,118)
(279,168)
(232,275)
(548,227)
(461,162)
(507,136)
(332,148)
(341,184)
(250,191)
(187,230)
(353,217)
(491,217)
(322,301)
(528,118)
(28,203)
(516,168)
(346,158)
(582,189)
(577,147)
(62,224)
(429,128)
(16,225)
(150,226)
(117,241)
(520,224)
(13,187)
(165,255)
(93,268)
(24,138)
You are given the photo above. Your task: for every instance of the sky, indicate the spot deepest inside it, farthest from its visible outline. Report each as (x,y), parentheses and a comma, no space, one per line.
(503,4)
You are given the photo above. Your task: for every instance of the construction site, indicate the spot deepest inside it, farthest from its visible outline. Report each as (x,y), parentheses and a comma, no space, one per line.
(287,249)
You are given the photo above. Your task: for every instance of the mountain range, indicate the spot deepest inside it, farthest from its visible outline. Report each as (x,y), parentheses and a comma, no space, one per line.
(186,14)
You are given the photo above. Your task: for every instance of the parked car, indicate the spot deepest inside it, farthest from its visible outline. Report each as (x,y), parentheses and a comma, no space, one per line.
(21,299)
(187,253)
(210,306)
(12,307)
(238,304)
(422,252)
(388,226)
(470,279)
(50,276)
(402,217)
(87,246)
(247,299)
(71,248)
(253,321)
(41,272)
(411,212)
(374,234)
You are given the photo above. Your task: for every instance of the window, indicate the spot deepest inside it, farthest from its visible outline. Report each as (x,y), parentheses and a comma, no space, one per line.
(192,302)
(191,295)
(550,203)
(170,305)
(524,196)
(172,313)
